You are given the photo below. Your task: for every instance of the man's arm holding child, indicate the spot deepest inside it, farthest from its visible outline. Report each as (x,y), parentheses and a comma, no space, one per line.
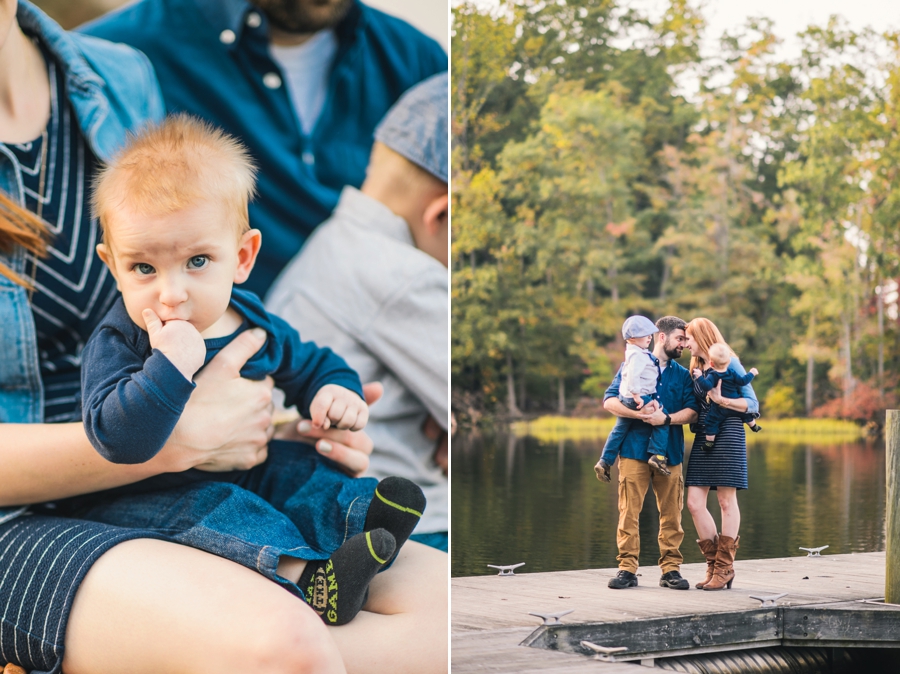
(611,402)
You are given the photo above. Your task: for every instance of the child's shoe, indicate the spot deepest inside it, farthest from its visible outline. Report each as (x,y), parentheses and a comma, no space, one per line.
(658,463)
(708,444)
(602,470)
(756,428)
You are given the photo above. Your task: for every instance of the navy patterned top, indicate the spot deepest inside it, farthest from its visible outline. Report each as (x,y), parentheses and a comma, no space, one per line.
(73,288)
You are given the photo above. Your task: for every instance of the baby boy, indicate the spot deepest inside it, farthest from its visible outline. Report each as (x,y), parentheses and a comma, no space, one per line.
(720,359)
(176,237)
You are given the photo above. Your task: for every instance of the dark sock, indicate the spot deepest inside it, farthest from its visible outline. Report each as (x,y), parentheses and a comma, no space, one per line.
(396,506)
(337,588)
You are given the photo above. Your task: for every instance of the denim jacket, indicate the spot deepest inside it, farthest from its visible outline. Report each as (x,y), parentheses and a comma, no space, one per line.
(113,90)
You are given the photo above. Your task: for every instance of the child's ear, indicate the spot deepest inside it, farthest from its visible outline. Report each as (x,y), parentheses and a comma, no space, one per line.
(106,255)
(248,249)
(435,215)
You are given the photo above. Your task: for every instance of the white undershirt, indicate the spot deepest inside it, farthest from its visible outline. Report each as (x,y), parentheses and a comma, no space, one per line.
(306,68)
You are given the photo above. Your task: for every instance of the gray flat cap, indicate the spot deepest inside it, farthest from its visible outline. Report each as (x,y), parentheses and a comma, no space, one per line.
(638,326)
(417,128)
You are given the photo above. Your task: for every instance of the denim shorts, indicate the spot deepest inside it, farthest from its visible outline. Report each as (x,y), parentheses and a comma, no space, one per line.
(295,504)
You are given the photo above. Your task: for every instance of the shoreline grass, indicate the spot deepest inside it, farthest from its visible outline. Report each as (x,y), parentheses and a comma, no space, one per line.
(792,431)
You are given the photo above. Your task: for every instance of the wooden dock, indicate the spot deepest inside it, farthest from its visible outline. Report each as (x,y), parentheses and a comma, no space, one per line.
(490,614)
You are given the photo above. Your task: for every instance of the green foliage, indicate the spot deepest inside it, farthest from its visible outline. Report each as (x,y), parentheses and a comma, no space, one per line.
(780,401)
(587,188)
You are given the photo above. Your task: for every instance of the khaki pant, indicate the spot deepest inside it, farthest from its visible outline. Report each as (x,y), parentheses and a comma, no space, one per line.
(634,479)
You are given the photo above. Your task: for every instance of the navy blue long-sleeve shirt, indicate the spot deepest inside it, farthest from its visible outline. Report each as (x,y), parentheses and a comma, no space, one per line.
(132,395)
(731,382)
(212,59)
(676,393)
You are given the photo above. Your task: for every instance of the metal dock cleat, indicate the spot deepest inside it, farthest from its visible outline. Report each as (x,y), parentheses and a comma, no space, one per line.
(769,600)
(507,570)
(552,618)
(604,653)
(814,552)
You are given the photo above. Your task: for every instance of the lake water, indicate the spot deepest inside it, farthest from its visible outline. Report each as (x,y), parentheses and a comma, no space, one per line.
(520,500)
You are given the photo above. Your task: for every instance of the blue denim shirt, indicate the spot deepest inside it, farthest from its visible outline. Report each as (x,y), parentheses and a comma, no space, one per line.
(676,392)
(212,59)
(112,90)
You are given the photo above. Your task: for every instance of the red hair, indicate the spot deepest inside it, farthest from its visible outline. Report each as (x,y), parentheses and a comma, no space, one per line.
(20,227)
(705,333)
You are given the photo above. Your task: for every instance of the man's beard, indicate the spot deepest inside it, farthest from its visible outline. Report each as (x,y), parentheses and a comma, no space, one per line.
(673,353)
(304,16)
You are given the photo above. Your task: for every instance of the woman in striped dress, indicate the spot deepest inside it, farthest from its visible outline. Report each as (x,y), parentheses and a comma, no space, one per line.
(723,468)
(82,596)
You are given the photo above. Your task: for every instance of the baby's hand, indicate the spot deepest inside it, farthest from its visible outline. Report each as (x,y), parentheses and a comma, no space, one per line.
(339,407)
(696,372)
(754,371)
(179,340)
(637,400)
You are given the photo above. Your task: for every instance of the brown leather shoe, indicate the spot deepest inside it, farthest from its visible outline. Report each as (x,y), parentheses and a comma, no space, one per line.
(708,547)
(658,463)
(723,571)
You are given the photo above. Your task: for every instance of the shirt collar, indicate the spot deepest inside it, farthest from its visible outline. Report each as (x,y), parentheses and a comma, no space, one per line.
(78,73)
(232,15)
(370,213)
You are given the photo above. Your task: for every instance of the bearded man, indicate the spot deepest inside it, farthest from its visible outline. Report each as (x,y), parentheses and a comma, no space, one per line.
(303,83)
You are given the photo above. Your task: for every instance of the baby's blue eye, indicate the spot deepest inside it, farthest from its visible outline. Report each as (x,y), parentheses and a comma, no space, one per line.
(198,262)
(144,269)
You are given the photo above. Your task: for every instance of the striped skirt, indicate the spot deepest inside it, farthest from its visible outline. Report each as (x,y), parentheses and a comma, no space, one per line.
(42,562)
(725,465)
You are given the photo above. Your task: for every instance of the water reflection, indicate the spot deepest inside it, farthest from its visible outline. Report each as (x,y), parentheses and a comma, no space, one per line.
(520,500)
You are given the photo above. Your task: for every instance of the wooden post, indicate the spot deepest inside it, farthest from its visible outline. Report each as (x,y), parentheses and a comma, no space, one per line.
(892,508)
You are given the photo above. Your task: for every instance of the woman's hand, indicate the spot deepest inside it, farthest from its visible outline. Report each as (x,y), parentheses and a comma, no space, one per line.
(227,422)
(349,449)
(715,394)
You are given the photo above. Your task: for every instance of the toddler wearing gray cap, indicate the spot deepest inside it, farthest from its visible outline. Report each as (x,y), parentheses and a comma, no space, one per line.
(371,283)
(640,375)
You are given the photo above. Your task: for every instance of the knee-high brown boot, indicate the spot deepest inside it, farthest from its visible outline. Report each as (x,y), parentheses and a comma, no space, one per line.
(708,547)
(723,571)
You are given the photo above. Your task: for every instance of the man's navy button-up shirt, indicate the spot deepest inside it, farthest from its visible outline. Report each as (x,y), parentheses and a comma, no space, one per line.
(676,392)
(212,59)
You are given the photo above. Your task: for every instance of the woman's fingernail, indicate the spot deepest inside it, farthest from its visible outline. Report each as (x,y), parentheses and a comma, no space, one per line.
(259,333)
(304,426)
(324,447)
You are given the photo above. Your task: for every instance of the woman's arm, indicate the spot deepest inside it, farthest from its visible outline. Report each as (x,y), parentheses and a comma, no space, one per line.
(225,426)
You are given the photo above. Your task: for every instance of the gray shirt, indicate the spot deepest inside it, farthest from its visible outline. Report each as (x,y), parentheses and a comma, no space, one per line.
(640,372)
(361,287)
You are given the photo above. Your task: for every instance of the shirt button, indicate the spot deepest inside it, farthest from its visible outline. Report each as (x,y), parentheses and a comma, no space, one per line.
(272,80)
(253,20)
(308,158)
(226,36)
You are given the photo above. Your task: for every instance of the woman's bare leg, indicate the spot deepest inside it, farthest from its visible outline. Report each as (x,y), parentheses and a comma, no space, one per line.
(731,514)
(703,519)
(404,627)
(150,606)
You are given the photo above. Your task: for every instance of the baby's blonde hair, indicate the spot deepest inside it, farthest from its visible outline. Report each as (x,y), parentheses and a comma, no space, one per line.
(719,354)
(181,162)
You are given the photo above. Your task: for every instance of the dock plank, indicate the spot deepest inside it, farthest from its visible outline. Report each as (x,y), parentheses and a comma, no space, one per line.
(489,615)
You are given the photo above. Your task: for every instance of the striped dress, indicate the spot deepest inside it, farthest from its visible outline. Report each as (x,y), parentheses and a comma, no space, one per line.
(725,465)
(43,559)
